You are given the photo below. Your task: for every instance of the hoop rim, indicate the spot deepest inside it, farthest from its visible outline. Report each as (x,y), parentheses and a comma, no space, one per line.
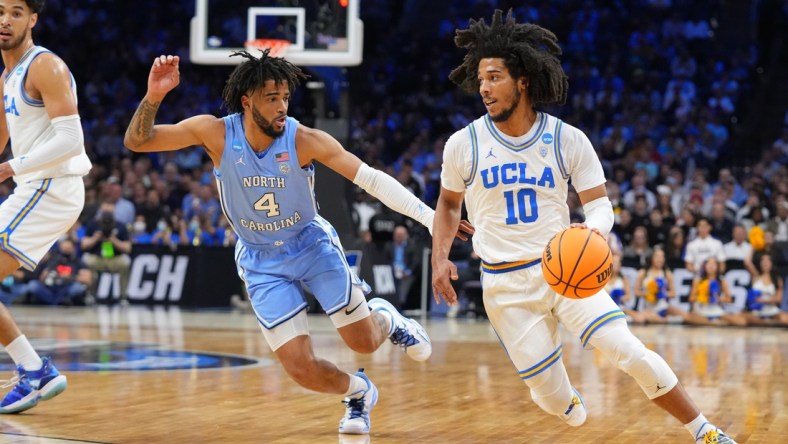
(278,47)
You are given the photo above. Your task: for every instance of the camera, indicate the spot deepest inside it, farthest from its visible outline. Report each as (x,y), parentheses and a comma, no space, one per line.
(107,224)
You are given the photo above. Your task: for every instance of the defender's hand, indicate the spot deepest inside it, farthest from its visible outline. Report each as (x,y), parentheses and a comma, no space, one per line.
(465,231)
(164,75)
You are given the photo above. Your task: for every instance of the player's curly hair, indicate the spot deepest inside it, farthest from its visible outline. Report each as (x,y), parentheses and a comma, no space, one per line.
(35,5)
(526,49)
(254,72)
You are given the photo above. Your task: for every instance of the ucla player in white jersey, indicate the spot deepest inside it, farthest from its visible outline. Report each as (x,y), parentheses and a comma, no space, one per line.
(42,121)
(512,167)
(264,170)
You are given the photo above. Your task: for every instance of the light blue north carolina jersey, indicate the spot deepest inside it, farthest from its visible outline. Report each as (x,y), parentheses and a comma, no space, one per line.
(267,197)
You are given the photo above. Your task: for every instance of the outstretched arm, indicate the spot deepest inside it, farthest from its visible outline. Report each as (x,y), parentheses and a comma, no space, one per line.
(142,135)
(317,145)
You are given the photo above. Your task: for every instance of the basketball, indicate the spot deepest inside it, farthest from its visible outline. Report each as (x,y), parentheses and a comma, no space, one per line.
(577,263)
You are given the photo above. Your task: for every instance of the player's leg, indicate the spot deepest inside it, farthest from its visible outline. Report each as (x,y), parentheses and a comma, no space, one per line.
(528,331)
(340,293)
(31,220)
(292,345)
(602,326)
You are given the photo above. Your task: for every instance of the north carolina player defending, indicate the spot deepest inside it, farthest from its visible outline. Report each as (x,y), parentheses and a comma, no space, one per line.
(263,163)
(42,121)
(512,167)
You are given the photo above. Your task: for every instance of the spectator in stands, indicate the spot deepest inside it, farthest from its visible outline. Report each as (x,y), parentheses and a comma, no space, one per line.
(709,291)
(620,290)
(638,251)
(124,209)
(703,247)
(738,252)
(674,249)
(779,223)
(765,296)
(654,286)
(721,224)
(14,286)
(106,247)
(405,257)
(62,279)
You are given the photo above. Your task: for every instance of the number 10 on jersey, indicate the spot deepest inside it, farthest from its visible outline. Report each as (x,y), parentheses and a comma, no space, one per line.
(521,206)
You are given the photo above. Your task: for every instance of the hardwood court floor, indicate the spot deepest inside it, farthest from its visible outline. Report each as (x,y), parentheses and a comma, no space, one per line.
(468,392)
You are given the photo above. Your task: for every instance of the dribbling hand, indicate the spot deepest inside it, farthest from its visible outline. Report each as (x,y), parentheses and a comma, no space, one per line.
(164,75)
(443,272)
(582,225)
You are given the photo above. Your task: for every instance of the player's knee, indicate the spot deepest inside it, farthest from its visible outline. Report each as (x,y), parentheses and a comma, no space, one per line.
(628,352)
(301,370)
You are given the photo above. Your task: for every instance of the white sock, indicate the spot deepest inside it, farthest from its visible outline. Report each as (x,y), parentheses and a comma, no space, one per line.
(699,426)
(357,388)
(23,354)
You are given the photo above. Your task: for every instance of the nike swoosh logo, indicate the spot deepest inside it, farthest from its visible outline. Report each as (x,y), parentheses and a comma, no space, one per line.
(347,312)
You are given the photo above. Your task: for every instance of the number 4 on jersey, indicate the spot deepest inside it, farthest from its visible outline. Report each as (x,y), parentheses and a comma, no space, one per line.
(267,203)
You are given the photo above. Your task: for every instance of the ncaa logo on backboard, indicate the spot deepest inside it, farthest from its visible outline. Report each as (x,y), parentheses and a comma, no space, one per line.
(547,138)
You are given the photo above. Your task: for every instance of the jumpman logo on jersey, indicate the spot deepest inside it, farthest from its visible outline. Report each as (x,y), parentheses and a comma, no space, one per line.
(240,160)
(491,154)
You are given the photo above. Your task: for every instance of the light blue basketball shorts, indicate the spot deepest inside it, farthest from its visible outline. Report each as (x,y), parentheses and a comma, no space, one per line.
(274,274)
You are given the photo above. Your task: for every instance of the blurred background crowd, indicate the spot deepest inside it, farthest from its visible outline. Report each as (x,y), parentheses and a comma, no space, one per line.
(685,102)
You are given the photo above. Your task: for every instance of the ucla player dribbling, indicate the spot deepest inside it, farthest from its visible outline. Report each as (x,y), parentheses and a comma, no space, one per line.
(42,121)
(263,163)
(512,168)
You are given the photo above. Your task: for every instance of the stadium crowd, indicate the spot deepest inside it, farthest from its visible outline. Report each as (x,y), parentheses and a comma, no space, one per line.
(652,84)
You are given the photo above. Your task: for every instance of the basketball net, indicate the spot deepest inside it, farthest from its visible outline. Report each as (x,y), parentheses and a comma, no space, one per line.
(278,47)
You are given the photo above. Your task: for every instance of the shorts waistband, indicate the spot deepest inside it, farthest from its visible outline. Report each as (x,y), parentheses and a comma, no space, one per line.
(505,267)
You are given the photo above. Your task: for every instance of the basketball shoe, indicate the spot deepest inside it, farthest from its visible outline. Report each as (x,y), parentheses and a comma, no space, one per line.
(575,415)
(31,386)
(356,419)
(405,332)
(715,436)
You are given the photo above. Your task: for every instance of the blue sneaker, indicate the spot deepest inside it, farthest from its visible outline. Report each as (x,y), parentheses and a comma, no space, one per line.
(32,386)
(405,332)
(356,419)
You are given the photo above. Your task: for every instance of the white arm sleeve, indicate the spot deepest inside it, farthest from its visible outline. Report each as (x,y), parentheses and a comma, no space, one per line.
(395,196)
(599,215)
(66,143)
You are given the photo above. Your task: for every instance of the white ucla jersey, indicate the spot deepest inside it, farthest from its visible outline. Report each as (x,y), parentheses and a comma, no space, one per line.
(516,187)
(28,122)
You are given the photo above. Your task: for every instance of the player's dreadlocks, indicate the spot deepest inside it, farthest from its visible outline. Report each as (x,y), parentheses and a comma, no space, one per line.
(526,49)
(253,73)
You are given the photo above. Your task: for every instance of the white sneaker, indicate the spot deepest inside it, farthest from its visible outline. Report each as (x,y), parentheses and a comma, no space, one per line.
(356,420)
(575,415)
(405,332)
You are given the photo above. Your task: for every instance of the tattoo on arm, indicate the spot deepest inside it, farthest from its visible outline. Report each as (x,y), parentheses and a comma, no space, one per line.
(140,129)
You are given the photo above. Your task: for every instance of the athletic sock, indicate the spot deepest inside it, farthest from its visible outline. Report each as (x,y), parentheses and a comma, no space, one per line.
(357,388)
(699,426)
(23,354)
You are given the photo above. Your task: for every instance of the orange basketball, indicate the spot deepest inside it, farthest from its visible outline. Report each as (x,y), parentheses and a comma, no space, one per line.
(577,263)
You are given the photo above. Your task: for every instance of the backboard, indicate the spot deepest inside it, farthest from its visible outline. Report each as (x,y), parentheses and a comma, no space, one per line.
(320,32)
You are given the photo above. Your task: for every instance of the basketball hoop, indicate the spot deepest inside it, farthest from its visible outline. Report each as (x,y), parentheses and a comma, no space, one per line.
(278,47)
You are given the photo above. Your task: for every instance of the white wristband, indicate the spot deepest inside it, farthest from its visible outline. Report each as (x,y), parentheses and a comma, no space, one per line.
(599,215)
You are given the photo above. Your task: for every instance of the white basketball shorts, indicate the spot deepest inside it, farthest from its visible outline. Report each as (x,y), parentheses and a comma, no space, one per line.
(525,311)
(37,214)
